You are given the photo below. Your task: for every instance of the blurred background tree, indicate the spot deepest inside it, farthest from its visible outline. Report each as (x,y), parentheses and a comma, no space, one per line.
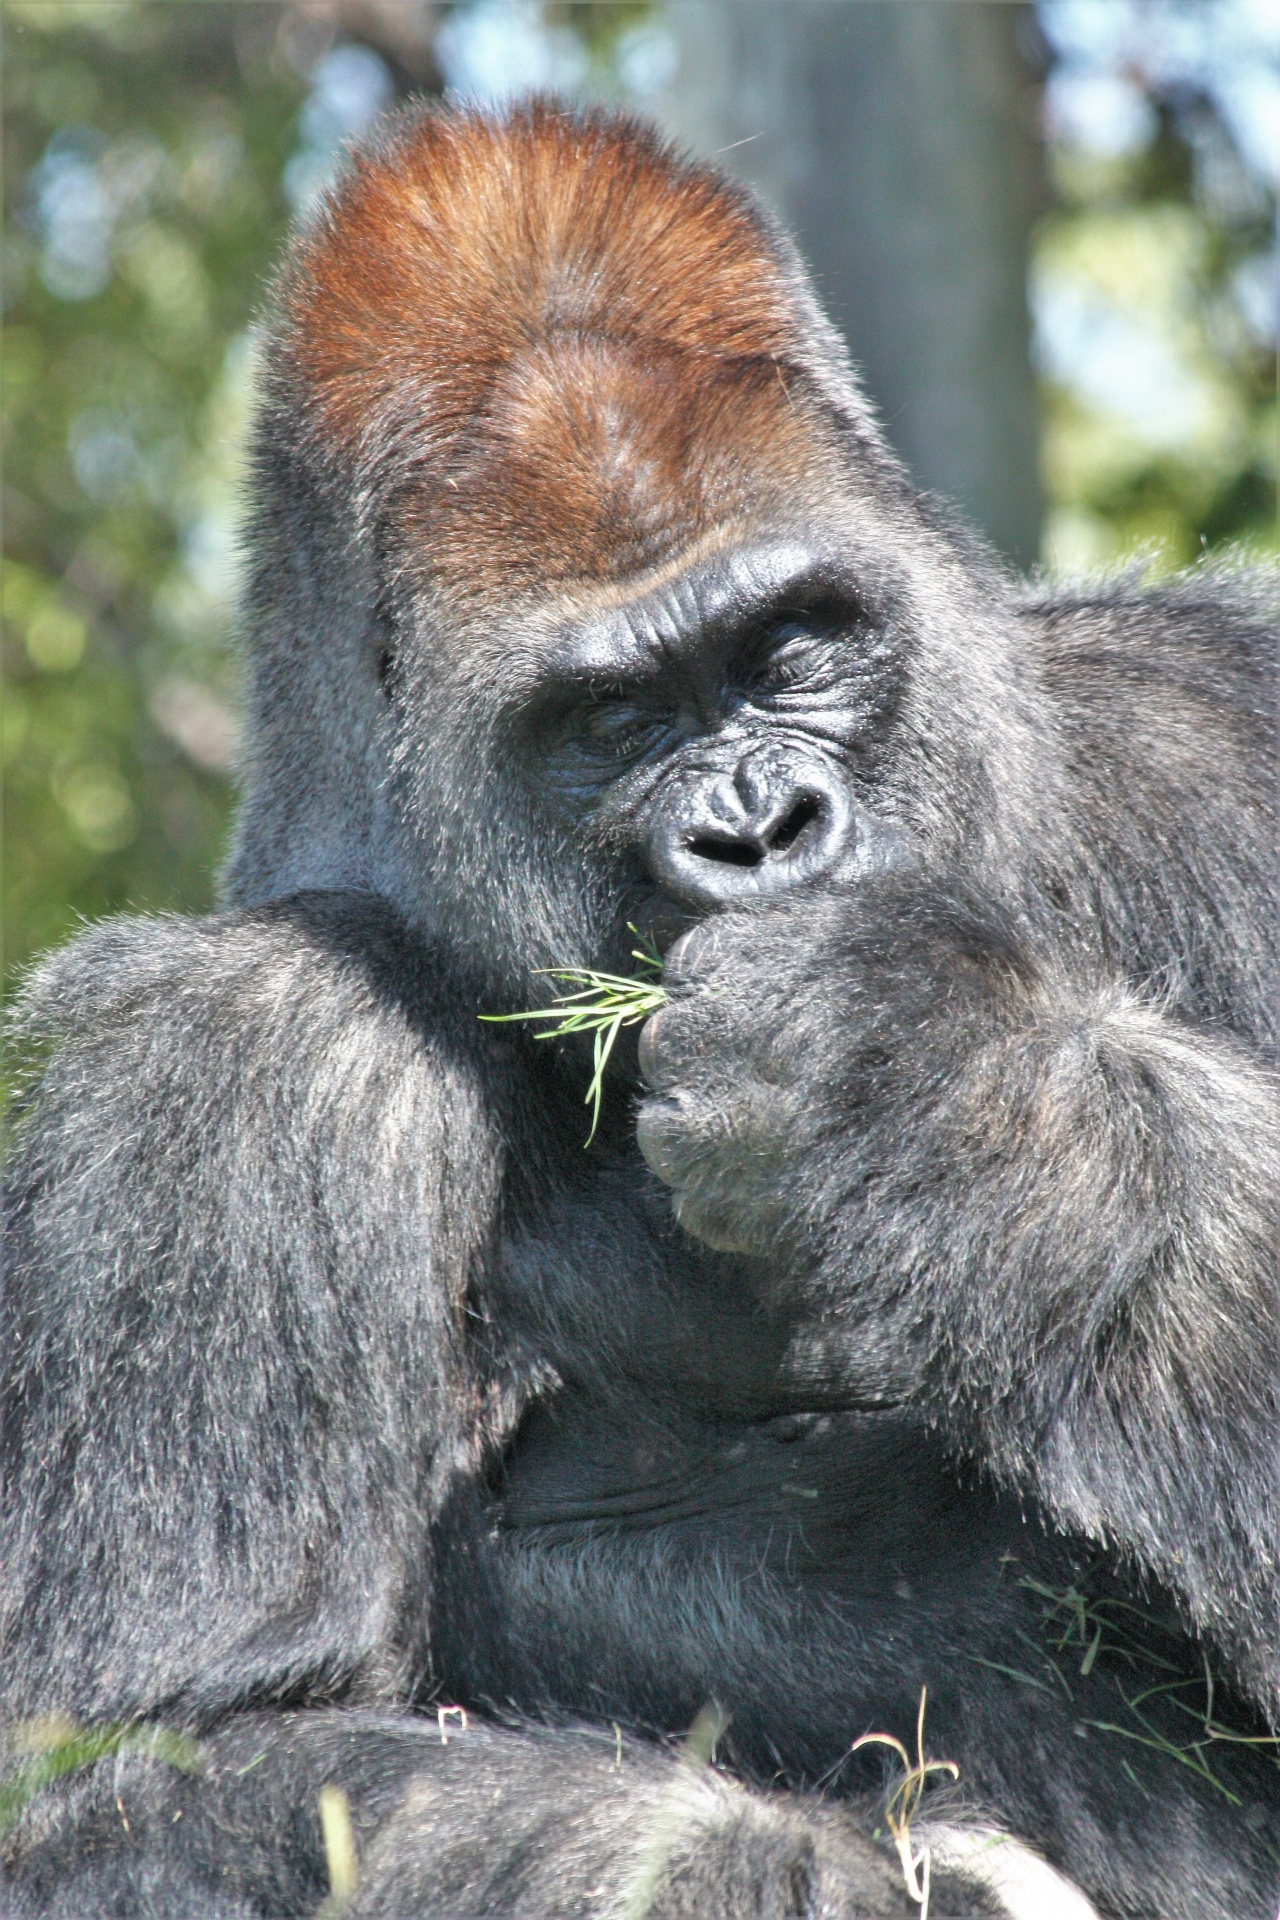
(1154,278)
(145,154)
(156,149)
(901,145)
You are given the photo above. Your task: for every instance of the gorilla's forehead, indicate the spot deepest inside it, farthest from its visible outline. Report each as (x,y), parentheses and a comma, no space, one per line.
(686,614)
(667,612)
(682,623)
(596,461)
(581,350)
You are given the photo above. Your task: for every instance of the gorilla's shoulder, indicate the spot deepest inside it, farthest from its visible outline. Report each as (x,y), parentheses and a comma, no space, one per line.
(1229,607)
(345,953)
(166,1065)
(1199,644)
(292,1002)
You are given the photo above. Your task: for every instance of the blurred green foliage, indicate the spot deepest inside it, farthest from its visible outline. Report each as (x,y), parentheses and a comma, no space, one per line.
(144,152)
(1154,289)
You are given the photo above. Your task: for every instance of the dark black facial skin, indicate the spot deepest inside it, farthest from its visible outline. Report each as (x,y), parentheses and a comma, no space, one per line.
(721,731)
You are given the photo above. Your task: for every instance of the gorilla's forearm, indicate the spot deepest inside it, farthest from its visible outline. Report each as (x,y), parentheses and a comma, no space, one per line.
(240,1218)
(465,1820)
(1041,1210)
(1097,1289)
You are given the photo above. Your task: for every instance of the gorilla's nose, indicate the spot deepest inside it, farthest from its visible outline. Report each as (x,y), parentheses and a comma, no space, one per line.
(769,824)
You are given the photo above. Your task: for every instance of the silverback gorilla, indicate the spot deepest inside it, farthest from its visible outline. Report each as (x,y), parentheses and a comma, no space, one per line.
(917,1345)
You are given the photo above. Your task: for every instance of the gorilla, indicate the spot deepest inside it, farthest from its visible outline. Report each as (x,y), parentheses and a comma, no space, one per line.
(900,1358)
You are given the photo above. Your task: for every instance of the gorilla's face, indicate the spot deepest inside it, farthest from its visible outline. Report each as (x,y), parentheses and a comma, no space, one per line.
(618,608)
(721,729)
(719,733)
(730,726)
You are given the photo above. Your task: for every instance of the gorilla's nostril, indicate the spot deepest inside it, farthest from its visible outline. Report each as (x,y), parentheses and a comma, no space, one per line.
(755,845)
(805,811)
(732,853)
(722,839)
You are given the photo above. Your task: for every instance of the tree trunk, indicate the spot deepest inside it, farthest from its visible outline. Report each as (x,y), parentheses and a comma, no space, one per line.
(898,140)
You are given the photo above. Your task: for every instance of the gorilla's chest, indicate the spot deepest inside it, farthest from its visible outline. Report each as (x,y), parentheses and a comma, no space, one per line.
(854,1499)
(683,1515)
(683,1416)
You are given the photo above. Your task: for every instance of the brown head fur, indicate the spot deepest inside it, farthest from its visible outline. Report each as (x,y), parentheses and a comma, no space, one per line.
(574,351)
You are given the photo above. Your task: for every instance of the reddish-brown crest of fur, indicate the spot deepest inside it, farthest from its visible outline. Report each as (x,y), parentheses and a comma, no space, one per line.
(578,347)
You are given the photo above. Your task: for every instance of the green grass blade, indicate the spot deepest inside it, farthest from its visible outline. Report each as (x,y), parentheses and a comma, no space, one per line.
(598,1003)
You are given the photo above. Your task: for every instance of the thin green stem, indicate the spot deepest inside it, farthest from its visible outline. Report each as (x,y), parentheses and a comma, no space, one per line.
(601,1004)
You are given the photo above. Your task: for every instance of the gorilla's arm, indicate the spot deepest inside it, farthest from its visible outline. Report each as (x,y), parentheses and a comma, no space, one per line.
(1037,1204)
(256,1179)
(253,1177)
(481,1821)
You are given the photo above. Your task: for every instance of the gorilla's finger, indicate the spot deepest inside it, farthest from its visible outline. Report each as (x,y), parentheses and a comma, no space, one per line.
(651,1036)
(680,1042)
(663,1140)
(696,954)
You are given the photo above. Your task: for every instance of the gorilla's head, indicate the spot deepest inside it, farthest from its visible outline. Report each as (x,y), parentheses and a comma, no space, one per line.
(585,588)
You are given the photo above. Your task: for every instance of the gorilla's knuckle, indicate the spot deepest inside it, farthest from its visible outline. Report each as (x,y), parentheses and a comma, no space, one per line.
(696,955)
(663,1134)
(649,1047)
(705,1213)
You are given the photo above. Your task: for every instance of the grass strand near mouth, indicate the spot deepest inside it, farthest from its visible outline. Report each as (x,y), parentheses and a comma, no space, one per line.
(599,1003)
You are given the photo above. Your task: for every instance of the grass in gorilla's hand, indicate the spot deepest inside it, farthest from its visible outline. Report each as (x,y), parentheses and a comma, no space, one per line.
(599,1003)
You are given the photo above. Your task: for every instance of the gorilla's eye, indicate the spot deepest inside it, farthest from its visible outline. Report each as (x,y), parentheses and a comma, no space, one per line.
(586,744)
(789,655)
(616,727)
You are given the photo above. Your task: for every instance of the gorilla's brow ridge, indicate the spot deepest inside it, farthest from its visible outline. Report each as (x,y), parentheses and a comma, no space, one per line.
(715,600)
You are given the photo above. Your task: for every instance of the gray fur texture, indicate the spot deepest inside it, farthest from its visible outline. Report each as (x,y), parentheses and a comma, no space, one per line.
(932,1297)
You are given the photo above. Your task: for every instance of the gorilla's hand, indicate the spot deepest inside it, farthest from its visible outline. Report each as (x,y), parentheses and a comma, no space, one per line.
(805,1053)
(722,1123)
